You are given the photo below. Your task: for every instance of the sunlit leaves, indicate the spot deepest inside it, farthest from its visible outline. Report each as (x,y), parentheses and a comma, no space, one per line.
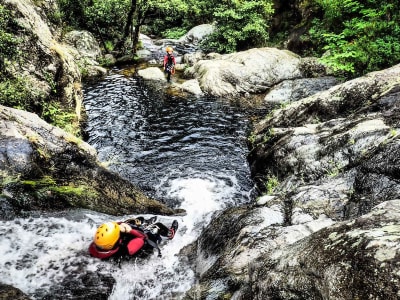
(240,25)
(358,36)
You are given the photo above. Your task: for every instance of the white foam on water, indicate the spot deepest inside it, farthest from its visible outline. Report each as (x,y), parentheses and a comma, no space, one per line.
(167,277)
(40,252)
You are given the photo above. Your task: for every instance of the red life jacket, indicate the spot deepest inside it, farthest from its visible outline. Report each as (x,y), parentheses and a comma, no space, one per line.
(102,254)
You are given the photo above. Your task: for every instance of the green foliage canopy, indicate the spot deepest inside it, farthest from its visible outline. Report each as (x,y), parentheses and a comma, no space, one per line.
(240,25)
(8,41)
(358,36)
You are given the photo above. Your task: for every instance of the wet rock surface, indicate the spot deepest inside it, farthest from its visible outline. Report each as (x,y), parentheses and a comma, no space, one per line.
(9,292)
(45,168)
(329,228)
(357,259)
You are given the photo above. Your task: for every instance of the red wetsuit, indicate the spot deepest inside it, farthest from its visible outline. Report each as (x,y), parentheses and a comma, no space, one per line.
(129,243)
(169,59)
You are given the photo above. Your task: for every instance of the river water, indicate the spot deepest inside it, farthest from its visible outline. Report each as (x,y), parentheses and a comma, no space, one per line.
(189,153)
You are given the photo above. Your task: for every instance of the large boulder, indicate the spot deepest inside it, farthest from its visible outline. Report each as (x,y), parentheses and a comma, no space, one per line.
(248,72)
(51,69)
(152,73)
(197,34)
(86,51)
(330,152)
(45,168)
(358,259)
(84,42)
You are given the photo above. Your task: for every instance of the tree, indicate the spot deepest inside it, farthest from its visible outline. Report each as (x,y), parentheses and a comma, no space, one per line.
(241,24)
(150,10)
(105,18)
(358,36)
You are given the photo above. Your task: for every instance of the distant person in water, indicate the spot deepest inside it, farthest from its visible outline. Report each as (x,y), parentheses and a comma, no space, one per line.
(128,238)
(169,63)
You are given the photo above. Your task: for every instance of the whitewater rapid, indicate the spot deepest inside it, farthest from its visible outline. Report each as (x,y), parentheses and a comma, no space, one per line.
(189,153)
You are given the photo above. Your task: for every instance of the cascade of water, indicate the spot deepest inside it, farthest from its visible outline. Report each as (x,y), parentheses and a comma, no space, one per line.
(191,153)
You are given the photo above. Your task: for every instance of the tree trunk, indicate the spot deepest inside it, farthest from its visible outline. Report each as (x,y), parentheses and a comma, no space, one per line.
(141,17)
(128,26)
(135,38)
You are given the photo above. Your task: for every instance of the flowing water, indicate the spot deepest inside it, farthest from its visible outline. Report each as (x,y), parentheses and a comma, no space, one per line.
(190,153)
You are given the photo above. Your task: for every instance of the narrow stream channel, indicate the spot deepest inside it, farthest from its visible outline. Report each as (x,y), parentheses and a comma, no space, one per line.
(189,153)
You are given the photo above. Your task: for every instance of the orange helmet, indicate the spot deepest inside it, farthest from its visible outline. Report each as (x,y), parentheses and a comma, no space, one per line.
(107,235)
(169,49)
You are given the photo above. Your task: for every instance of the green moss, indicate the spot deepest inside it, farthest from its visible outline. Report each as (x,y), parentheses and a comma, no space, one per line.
(271,183)
(47,190)
(45,181)
(48,183)
(72,190)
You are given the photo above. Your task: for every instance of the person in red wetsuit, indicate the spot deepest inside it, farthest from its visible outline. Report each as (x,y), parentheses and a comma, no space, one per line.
(169,63)
(118,239)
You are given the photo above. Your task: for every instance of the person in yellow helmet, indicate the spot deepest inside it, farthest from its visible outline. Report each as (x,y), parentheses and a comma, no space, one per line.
(117,239)
(169,63)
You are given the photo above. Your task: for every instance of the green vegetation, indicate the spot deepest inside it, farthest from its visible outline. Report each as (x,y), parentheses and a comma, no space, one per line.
(357,36)
(270,184)
(240,25)
(114,21)
(15,93)
(8,42)
(353,37)
(16,90)
(54,114)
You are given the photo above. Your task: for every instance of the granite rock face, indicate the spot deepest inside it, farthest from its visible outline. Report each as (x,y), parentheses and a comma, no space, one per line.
(45,168)
(328,224)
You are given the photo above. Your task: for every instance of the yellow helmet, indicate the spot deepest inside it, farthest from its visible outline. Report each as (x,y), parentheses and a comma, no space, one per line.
(169,49)
(107,235)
